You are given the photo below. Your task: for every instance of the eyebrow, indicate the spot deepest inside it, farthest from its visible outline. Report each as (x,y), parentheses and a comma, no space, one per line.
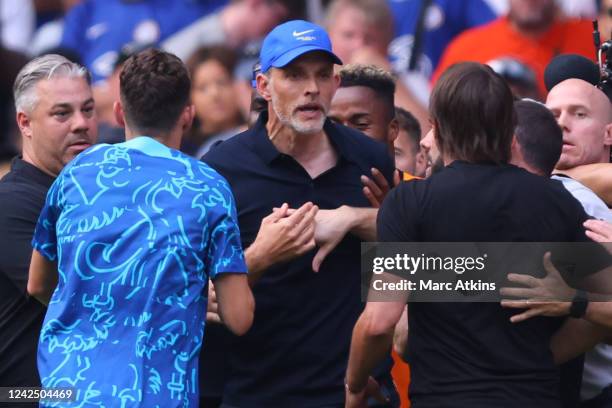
(359,115)
(66,105)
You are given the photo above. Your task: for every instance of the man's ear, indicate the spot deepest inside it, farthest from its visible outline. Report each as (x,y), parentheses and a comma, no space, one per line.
(187,117)
(263,84)
(25,124)
(119,114)
(392,131)
(608,135)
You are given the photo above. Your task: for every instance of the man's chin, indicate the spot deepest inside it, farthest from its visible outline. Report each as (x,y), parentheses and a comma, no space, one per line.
(308,128)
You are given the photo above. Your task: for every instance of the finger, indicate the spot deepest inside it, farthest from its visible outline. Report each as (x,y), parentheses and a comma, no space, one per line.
(380,180)
(595,236)
(524,293)
(277,213)
(397,177)
(515,304)
(371,184)
(548,265)
(308,220)
(601,227)
(525,280)
(371,198)
(295,218)
(213,318)
(521,317)
(320,256)
(306,240)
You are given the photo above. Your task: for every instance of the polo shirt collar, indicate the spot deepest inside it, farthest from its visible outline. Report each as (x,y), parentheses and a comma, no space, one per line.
(265,149)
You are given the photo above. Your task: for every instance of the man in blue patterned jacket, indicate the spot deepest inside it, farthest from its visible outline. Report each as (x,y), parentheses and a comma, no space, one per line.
(130,234)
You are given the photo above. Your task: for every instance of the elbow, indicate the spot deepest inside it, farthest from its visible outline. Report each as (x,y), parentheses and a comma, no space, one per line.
(39,292)
(35,290)
(376,327)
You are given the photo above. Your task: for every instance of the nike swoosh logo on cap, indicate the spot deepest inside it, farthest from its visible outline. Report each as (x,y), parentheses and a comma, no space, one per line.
(296,34)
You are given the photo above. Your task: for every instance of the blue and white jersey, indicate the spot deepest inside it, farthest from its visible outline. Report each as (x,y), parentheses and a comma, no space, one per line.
(137,229)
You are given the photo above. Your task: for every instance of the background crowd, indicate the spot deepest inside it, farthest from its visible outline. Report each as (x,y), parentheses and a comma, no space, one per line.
(220,39)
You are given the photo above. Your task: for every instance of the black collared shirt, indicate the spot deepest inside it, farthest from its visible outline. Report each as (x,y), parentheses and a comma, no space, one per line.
(22,195)
(296,352)
(469,354)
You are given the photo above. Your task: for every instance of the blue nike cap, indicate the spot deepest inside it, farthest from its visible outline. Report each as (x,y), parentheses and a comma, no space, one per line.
(292,39)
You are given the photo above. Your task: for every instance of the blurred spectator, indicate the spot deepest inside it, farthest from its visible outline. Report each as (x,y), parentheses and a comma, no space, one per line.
(235,25)
(97,29)
(11,64)
(586,9)
(213,93)
(17,20)
(407,148)
(49,35)
(605,19)
(360,31)
(520,78)
(423,29)
(355,24)
(427,26)
(531,32)
(258,103)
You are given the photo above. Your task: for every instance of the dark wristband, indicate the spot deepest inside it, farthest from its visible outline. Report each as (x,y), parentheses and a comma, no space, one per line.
(579,304)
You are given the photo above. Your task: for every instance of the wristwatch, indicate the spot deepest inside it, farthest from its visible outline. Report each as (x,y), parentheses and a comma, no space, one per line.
(579,304)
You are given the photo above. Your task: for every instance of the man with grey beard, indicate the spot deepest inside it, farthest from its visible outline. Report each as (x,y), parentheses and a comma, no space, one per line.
(291,158)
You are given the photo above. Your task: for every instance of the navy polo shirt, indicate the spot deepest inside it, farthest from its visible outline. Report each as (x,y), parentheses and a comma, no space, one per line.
(297,350)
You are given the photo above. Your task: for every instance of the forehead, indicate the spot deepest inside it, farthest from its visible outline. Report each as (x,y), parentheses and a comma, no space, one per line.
(357,99)
(573,92)
(63,90)
(349,15)
(210,67)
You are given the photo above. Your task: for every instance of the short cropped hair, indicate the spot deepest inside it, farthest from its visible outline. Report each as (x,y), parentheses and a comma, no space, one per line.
(410,125)
(42,68)
(473,114)
(373,77)
(539,135)
(154,89)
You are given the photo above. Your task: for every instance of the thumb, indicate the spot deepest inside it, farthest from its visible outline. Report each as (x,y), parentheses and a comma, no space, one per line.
(320,256)
(549,266)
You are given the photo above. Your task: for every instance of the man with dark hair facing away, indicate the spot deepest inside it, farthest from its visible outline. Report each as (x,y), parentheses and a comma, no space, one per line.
(476,197)
(130,234)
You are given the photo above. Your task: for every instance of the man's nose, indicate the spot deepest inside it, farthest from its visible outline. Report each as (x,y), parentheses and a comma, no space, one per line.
(81,121)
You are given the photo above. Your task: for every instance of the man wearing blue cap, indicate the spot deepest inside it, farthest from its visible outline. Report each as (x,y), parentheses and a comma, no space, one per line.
(296,352)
